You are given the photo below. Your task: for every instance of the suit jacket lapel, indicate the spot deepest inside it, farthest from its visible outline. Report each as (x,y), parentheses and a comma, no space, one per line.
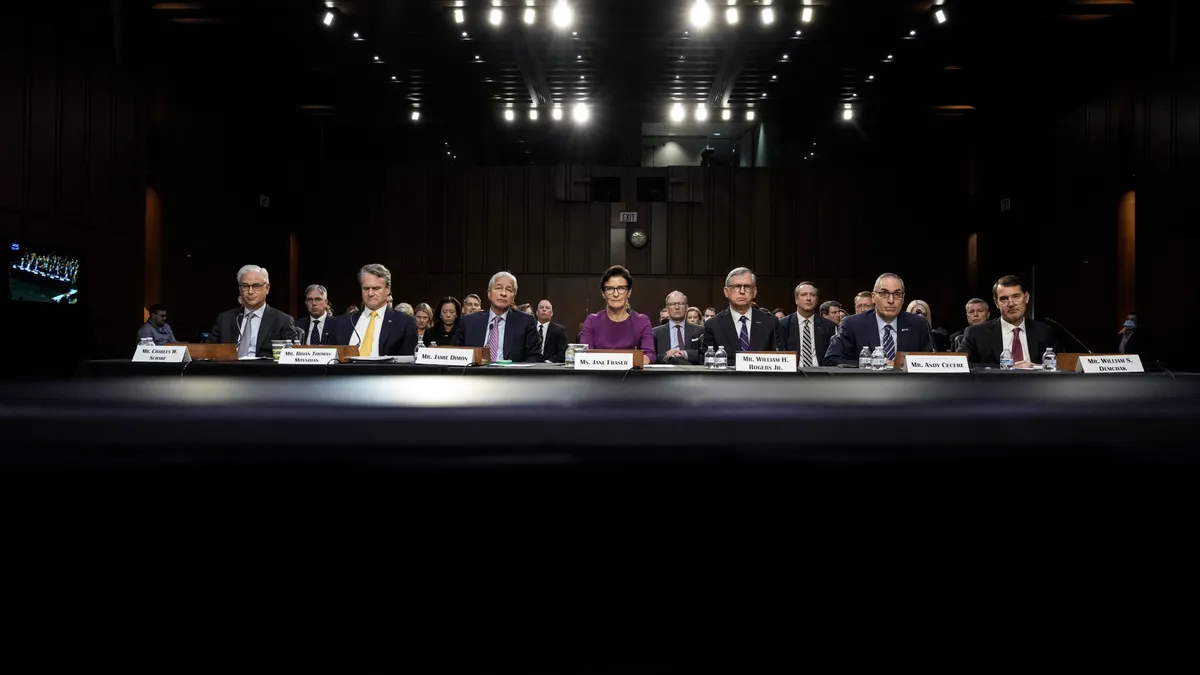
(509,335)
(725,324)
(385,328)
(264,330)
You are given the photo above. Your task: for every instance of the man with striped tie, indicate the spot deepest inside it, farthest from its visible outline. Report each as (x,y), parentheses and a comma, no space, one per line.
(887,326)
(806,332)
(740,328)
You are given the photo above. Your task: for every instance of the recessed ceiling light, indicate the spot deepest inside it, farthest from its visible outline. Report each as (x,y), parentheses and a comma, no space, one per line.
(912,33)
(731,15)
(768,15)
(562,14)
(356,36)
(749,115)
(700,13)
(416,115)
(940,15)
(328,20)
(785,57)
(530,16)
(774,77)
(726,114)
(870,77)
(495,17)
(458,16)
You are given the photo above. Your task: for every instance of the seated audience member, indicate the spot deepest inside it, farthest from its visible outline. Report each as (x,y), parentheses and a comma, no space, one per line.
(831,310)
(508,335)
(471,304)
(921,309)
(864,302)
(423,315)
(709,313)
(779,313)
(741,328)
(663,315)
(553,337)
(678,341)
(442,332)
(1025,338)
(886,327)
(254,325)
(977,313)
(377,330)
(351,309)
(156,327)
(317,324)
(804,332)
(616,327)
(404,308)
(695,317)
(1132,339)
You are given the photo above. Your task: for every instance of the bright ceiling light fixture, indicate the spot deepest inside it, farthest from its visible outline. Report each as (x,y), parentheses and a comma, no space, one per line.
(533,115)
(495,17)
(727,114)
(700,14)
(328,20)
(459,17)
(530,16)
(848,113)
(509,115)
(556,113)
(940,15)
(806,14)
(562,14)
(768,16)
(749,115)
(580,113)
(701,113)
(416,115)
(677,113)
(731,16)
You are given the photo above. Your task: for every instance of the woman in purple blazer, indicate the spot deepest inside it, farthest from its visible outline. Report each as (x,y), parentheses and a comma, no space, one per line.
(616,327)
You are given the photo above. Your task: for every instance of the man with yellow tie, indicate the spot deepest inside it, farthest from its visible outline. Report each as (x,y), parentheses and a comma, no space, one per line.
(377,329)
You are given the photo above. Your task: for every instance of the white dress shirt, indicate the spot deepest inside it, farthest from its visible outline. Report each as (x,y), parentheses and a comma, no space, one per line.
(737,322)
(1007,329)
(361,327)
(811,337)
(682,332)
(251,337)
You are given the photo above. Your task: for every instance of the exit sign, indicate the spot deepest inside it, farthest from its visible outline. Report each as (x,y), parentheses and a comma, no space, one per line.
(629,216)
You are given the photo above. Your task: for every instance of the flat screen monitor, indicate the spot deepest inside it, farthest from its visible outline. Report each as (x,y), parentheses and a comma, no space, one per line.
(43,274)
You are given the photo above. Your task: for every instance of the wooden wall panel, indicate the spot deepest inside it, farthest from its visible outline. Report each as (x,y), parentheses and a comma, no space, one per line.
(763,245)
(476,193)
(455,205)
(741,219)
(534,254)
(722,221)
(514,225)
(74,150)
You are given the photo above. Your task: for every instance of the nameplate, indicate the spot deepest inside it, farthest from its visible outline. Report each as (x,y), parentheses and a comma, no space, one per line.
(765,362)
(1125,363)
(447,356)
(942,363)
(309,356)
(604,361)
(163,354)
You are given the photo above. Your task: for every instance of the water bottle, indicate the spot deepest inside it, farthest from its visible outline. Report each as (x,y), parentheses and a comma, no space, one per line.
(432,344)
(710,358)
(721,360)
(1006,361)
(864,359)
(878,360)
(1049,360)
(417,351)
(146,342)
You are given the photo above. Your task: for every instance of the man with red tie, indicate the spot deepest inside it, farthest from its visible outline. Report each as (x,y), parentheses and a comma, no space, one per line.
(678,342)
(1025,338)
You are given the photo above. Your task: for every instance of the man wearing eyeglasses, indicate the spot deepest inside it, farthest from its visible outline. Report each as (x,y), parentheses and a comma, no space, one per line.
(887,326)
(1025,338)
(740,328)
(678,342)
(253,325)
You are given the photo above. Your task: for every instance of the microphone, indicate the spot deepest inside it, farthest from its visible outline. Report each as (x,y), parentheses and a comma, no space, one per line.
(1064,329)
(240,318)
(354,327)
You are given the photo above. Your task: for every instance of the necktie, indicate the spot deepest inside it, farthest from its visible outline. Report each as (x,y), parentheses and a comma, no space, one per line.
(315,338)
(889,346)
(1018,352)
(806,345)
(494,339)
(744,337)
(246,345)
(542,337)
(364,349)
(678,336)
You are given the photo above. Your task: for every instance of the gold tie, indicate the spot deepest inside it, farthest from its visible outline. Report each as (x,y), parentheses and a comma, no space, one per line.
(368,338)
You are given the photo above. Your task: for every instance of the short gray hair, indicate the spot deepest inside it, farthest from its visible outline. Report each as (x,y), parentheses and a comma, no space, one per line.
(253,269)
(804,283)
(975,301)
(404,308)
(888,275)
(739,271)
(377,270)
(497,275)
(316,287)
(679,293)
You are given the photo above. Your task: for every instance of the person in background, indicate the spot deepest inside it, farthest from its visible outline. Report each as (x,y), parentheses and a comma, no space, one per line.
(377,330)
(741,328)
(156,327)
(552,335)
(864,302)
(977,313)
(678,341)
(1025,339)
(423,315)
(442,332)
(709,313)
(779,313)
(471,304)
(317,324)
(1132,341)
(804,332)
(663,316)
(831,310)
(695,317)
(507,335)
(404,308)
(615,327)
(351,309)
(921,309)
(527,308)
(886,327)
(254,325)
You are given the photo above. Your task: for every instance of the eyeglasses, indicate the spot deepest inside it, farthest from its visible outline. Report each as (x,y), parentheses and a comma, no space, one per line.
(257,287)
(676,304)
(741,288)
(615,290)
(883,295)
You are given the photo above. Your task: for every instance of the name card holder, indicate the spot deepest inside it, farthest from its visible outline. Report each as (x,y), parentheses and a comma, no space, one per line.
(1108,363)
(933,362)
(765,362)
(609,359)
(316,355)
(1069,361)
(203,351)
(161,354)
(453,356)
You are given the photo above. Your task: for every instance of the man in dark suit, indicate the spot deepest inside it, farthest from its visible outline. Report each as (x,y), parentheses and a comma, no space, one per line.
(678,342)
(508,335)
(377,329)
(1025,338)
(317,325)
(254,325)
(552,336)
(887,326)
(740,328)
(977,313)
(806,332)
